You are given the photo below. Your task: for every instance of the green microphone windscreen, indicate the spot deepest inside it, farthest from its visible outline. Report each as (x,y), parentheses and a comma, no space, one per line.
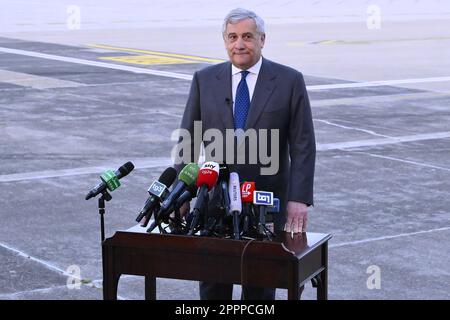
(189,174)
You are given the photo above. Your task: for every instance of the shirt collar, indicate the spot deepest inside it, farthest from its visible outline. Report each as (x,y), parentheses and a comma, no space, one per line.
(254,69)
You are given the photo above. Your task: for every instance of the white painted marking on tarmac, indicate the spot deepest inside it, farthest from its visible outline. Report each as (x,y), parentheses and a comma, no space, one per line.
(49,266)
(352,128)
(377,83)
(139,164)
(362,101)
(383,141)
(351,243)
(406,161)
(162,162)
(111,116)
(98,282)
(36,82)
(42,262)
(97,64)
(189,77)
(15,295)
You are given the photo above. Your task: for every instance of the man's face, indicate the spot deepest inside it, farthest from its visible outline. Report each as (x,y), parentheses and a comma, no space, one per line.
(243,43)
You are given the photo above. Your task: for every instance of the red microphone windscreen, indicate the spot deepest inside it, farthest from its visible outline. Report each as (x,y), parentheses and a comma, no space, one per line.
(247,189)
(208,175)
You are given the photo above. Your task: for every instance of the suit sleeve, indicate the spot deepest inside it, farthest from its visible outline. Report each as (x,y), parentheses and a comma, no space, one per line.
(302,146)
(187,149)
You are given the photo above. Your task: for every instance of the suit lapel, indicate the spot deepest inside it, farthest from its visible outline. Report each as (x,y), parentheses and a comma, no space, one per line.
(263,90)
(223,95)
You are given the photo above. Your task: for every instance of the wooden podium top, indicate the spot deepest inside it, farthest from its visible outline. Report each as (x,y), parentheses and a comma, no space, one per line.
(282,246)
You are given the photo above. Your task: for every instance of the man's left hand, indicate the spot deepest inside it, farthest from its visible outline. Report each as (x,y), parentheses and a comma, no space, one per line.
(297,217)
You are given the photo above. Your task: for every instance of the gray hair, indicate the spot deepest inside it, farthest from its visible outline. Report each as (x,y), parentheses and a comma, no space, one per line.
(239,14)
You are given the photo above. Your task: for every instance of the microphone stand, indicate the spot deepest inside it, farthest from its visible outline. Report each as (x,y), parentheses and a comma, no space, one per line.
(101,210)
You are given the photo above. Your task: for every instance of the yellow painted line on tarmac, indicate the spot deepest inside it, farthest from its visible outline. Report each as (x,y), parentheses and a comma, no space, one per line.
(157,53)
(146,60)
(328,42)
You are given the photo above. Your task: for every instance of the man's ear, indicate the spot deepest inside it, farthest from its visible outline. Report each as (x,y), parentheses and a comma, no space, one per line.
(224,40)
(263,39)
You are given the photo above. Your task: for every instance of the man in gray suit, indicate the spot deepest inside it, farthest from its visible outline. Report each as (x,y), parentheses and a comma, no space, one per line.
(252,93)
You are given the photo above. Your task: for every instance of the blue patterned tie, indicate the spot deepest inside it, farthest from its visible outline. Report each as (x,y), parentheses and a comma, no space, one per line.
(242,103)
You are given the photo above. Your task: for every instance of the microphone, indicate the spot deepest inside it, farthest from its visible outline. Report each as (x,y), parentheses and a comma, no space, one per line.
(186,196)
(206,180)
(263,199)
(228,101)
(247,190)
(235,202)
(224,176)
(110,180)
(176,227)
(186,178)
(158,190)
(271,210)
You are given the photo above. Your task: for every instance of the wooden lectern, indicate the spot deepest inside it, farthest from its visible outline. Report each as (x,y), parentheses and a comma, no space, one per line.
(284,262)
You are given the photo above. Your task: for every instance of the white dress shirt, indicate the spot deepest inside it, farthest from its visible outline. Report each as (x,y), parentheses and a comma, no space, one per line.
(250,79)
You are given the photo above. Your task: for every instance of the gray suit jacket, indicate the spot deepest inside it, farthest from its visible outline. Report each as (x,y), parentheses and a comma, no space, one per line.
(279,101)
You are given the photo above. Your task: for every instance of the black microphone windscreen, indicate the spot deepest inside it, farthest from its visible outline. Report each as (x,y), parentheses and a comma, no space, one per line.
(126,169)
(168,177)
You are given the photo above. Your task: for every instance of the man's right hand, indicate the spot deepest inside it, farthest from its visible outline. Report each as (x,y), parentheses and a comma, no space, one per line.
(184,209)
